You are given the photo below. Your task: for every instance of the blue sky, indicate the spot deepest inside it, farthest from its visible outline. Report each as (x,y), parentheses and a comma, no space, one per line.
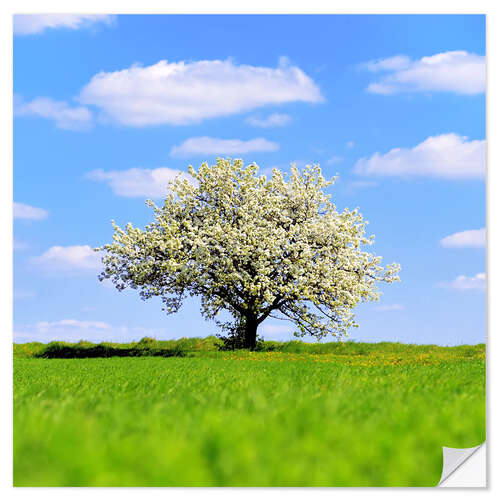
(108,108)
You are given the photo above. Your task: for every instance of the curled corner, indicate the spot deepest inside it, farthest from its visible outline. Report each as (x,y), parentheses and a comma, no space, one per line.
(456,460)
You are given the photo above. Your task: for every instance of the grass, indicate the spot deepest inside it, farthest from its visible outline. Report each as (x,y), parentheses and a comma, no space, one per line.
(291,415)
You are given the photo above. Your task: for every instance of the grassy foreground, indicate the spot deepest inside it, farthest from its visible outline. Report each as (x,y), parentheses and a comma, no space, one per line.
(292,415)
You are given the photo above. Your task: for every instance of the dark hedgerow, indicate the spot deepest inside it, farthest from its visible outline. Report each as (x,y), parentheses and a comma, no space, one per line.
(83,349)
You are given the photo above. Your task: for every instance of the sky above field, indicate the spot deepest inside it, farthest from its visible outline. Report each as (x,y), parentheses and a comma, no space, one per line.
(108,109)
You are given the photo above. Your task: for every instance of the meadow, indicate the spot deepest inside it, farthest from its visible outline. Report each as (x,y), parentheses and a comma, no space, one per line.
(291,414)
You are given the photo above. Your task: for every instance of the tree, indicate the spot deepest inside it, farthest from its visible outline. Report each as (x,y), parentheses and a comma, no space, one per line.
(254,247)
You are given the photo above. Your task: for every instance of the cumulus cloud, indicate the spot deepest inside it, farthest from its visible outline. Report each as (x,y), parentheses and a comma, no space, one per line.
(334,160)
(63,115)
(276,330)
(74,258)
(23,211)
(138,182)
(180,93)
(73,330)
(268,171)
(447,156)
(30,24)
(362,184)
(273,120)
(465,283)
(214,146)
(389,64)
(43,326)
(23,294)
(472,238)
(456,71)
(389,307)
(20,245)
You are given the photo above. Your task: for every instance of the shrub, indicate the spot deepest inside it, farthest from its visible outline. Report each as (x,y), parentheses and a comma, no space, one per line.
(147,340)
(107,350)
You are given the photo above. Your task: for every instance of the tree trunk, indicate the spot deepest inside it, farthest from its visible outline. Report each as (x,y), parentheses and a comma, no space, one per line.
(250,333)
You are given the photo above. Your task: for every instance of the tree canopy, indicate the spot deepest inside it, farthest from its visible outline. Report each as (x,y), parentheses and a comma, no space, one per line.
(253,246)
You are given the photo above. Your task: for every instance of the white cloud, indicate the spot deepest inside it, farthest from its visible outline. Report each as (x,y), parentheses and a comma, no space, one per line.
(73,330)
(268,171)
(20,245)
(23,211)
(334,160)
(69,259)
(276,330)
(44,326)
(362,184)
(138,182)
(389,307)
(64,116)
(180,93)
(214,146)
(389,64)
(273,120)
(23,294)
(447,156)
(30,24)
(465,283)
(456,71)
(472,238)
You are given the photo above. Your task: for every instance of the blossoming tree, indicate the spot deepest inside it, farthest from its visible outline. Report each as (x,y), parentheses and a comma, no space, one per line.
(254,247)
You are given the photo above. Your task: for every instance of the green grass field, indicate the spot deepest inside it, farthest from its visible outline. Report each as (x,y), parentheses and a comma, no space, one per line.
(292,415)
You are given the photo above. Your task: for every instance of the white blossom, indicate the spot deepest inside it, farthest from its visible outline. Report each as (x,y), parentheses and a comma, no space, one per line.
(253,246)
